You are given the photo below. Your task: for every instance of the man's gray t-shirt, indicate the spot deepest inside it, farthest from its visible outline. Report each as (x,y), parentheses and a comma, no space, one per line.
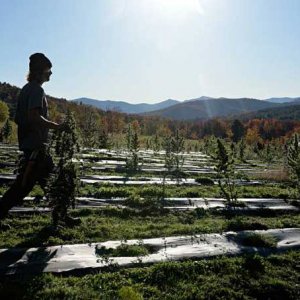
(31,135)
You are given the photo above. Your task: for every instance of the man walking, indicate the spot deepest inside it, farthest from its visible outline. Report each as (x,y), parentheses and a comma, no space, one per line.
(33,125)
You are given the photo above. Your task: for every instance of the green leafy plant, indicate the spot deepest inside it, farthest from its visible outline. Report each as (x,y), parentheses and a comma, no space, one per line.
(133,146)
(104,141)
(89,128)
(293,160)
(242,149)
(204,180)
(259,240)
(156,145)
(63,184)
(4,111)
(224,166)
(128,293)
(126,250)
(6,131)
(174,147)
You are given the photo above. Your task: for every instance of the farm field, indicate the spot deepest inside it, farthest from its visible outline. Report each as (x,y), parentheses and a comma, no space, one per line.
(145,235)
(160,150)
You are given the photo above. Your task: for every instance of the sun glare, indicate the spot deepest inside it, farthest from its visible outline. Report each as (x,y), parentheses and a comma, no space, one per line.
(180,7)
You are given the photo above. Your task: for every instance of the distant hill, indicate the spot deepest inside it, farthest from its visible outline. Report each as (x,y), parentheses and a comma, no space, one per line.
(211,108)
(126,107)
(197,99)
(9,94)
(283,112)
(283,100)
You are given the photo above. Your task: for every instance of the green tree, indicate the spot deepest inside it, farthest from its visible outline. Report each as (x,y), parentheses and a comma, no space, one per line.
(104,142)
(4,112)
(238,130)
(6,130)
(269,155)
(63,183)
(90,129)
(233,149)
(169,156)
(128,136)
(242,149)
(293,160)
(258,148)
(133,146)
(224,167)
(177,149)
(156,144)
(148,143)
(174,147)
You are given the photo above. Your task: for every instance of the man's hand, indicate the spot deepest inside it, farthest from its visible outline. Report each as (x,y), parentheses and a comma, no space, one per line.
(37,119)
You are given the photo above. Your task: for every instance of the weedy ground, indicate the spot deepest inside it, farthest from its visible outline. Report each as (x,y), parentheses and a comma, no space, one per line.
(111,223)
(245,277)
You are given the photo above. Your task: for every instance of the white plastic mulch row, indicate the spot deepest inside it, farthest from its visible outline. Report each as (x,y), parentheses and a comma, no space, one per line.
(80,257)
(250,204)
(151,180)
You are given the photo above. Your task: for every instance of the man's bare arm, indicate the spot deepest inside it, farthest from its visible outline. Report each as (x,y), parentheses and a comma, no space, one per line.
(35,117)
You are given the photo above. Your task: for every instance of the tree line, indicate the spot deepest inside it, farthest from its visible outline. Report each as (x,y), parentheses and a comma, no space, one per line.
(98,127)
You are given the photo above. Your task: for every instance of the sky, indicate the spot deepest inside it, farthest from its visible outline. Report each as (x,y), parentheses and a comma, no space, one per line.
(153,50)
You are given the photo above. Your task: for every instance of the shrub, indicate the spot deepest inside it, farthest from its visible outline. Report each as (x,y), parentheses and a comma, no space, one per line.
(204,180)
(238,224)
(111,192)
(150,192)
(224,166)
(128,293)
(125,250)
(259,240)
(254,263)
(63,184)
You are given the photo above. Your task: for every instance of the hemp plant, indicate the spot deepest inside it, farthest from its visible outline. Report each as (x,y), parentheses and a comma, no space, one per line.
(6,130)
(269,154)
(133,146)
(293,160)
(104,142)
(178,148)
(156,144)
(174,147)
(63,183)
(242,149)
(89,129)
(225,169)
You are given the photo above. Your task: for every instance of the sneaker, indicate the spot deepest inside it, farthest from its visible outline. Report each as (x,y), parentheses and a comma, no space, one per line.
(70,222)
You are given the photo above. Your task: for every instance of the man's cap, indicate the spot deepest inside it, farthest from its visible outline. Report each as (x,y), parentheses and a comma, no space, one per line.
(38,61)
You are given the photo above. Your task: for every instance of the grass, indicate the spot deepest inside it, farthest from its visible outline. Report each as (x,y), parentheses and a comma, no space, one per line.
(109,190)
(279,175)
(123,224)
(125,250)
(246,277)
(259,240)
(240,223)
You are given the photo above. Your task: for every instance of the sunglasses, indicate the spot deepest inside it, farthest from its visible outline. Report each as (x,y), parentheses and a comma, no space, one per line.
(48,72)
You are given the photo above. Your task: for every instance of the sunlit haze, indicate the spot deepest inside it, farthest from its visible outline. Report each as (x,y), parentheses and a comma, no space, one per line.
(152,50)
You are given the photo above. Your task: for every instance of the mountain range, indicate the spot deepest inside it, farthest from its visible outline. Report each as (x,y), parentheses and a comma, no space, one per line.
(206,109)
(286,109)
(126,107)
(283,100)
(198,108)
